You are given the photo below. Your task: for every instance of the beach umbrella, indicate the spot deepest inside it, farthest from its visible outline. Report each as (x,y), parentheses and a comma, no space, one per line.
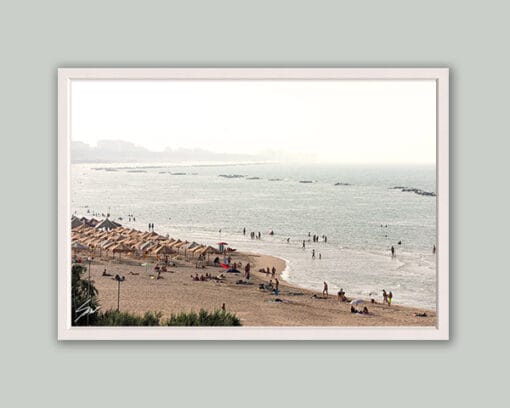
(357,302)
(78,246)
(76,222)
(198,249)
(221,246)
(120,248)
(107,225)
(147,245)
(180,244)
(163,250)
(175,243)
(92,222)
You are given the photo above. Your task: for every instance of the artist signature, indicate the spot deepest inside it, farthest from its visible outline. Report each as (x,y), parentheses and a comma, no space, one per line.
(85,310)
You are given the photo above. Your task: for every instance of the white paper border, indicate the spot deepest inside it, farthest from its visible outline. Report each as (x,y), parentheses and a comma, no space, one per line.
(67,332)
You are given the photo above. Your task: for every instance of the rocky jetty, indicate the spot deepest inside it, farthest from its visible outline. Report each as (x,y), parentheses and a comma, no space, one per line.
(231,175)
(414,190)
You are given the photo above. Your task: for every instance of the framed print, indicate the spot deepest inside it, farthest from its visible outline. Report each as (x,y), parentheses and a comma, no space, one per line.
(253,204)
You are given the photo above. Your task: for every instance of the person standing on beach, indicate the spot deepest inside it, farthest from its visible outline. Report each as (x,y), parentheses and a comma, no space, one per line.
(390,297)
(325,290)
(247,270)
(267,272)
(385,296)
(244,231)
(273,272)
(276,287)
(392,251)
(313,253)
(303,244)
(433,249)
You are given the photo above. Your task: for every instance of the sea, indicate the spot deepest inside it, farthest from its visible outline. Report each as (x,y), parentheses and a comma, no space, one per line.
(354,206)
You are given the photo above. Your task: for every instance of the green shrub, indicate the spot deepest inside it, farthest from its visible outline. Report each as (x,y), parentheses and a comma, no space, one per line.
(204,318)
(116,318)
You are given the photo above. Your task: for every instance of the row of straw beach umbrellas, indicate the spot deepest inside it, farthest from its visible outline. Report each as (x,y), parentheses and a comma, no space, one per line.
(111,237)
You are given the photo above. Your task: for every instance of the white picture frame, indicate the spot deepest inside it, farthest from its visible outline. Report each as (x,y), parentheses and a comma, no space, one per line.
(68,332)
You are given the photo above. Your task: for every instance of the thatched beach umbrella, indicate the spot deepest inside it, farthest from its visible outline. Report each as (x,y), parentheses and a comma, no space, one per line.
(175,243)
(180,244)
(146,246)
(163,250)
(76,222)
(120,248)
(78,246)
(108,225)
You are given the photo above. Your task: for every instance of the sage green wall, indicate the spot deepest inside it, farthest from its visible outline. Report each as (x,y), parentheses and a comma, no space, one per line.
(469,37)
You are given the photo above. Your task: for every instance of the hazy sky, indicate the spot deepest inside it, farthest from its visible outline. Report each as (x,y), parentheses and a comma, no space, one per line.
(346,121)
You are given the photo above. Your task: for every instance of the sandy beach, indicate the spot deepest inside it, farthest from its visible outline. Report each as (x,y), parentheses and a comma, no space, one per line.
(176,292)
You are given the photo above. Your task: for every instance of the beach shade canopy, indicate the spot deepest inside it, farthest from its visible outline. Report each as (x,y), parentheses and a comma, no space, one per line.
(120,248)
(107,243)
(108,225)
(180,244)
(357,302)
(163,250)
(76,222)
(192,245)
(221,246)
(81,228)
(147,245)
(92,222)
(198,249)
(78,246)
(203,250)
(175,244)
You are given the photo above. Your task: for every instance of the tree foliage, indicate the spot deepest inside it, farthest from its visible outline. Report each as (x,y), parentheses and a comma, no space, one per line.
(83,297)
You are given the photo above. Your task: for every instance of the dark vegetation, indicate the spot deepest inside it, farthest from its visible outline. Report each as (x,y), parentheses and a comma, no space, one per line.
(86,310)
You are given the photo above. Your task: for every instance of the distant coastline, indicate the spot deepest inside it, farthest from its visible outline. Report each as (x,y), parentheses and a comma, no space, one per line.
(118,151)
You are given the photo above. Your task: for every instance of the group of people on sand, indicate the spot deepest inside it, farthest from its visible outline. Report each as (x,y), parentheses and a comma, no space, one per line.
(387,297)
(364,311)
(202,278)
(341,295)
(268,272)
(274,288)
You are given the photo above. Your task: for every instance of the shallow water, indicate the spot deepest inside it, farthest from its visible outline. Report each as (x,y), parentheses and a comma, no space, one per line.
(198,204)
